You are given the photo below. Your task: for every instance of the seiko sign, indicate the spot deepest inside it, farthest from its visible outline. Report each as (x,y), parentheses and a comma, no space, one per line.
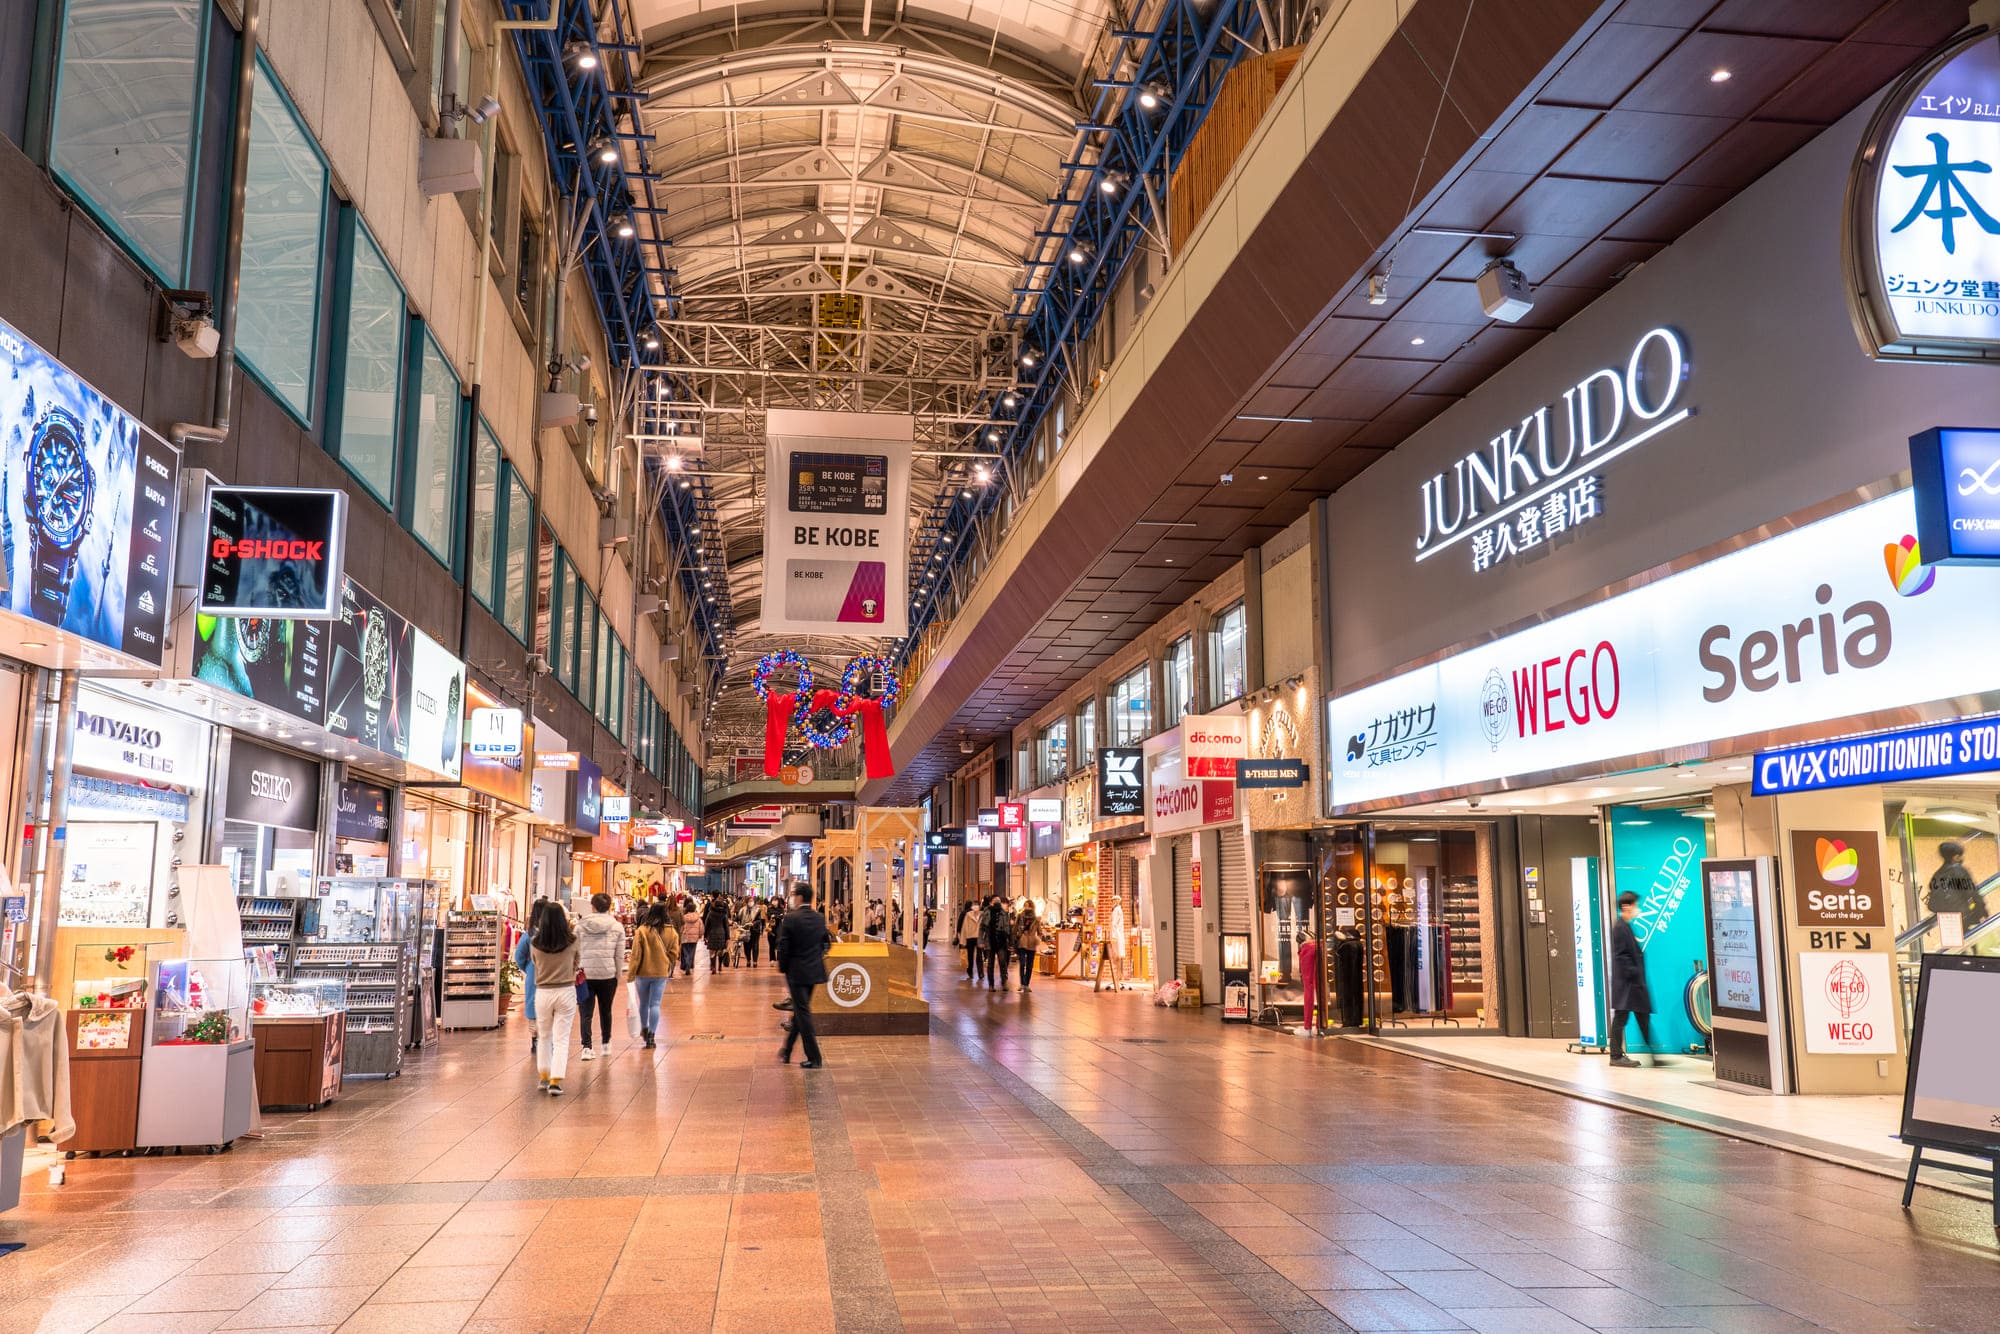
(1538,478)
(269,787)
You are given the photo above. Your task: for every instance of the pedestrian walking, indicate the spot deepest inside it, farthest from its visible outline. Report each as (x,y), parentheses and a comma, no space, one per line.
(654,948)
(752,919)
(553,954)
(689,929)
(715,931)
(1952,888)
(524,964)
(1027,943)
(968,939)
(996,941)
(803,941)
(1629,995)
(600,946)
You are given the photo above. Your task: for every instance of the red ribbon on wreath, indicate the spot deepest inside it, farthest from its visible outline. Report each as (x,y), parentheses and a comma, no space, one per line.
(778,712)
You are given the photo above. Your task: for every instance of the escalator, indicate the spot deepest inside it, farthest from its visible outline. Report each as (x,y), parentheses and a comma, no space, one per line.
(1923,937)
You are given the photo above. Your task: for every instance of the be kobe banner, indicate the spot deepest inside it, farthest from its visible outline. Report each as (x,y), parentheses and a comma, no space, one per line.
(836,522)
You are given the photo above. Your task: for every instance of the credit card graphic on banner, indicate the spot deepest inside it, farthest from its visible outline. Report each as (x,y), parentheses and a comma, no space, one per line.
(368,681)
(87,499)
(837,528)
(848,592)
(839,483)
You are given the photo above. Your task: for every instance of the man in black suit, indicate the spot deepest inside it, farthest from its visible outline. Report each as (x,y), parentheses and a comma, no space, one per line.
(1629,994)
(803,941)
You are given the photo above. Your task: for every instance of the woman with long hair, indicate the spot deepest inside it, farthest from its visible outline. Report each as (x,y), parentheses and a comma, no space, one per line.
(654,949)
(553,950)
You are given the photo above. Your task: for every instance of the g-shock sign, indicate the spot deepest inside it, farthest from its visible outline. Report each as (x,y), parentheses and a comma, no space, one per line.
(273,552)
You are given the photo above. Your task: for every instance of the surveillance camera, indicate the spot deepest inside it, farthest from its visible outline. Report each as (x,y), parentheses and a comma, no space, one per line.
(198,337)
(538,665)
(589,411)
(1473,802)
(487,109)
(1503,292)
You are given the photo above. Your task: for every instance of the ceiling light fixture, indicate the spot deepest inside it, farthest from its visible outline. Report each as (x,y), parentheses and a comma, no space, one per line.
(653,343)
(967,494)
(982,474)
(1719,76)
(1010,401)
(1417,341)
(1079,252)
(1028,356)
(581,54)
(621,224)
(603,149)
(1113,182)
(1151,95)
(993,437)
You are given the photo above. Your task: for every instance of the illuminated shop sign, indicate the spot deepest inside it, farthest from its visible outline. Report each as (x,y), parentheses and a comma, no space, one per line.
(1839,618)
(1538,478)
(1956,476)
(1970,747)
(1923,225)
(273,551)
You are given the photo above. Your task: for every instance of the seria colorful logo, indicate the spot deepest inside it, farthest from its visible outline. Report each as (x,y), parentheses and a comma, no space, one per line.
(1838,863)
(1907,572)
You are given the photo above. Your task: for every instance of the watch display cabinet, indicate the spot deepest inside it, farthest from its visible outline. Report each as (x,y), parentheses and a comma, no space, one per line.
(269,921)
(367,938)
(301,1031)
(196,1080)
(473,956)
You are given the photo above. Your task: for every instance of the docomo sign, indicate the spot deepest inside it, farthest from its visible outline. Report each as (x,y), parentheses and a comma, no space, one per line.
(1832,620)
(1191,803)
(1530,462)
(1211,743)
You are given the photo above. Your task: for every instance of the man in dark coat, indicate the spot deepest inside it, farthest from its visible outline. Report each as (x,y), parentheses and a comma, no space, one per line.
(715,930)
(1629,995)
(803,941)
(1952,888)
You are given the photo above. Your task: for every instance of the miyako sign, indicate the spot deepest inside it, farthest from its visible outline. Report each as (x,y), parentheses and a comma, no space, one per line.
(1836,619)
(119,738)
(1922,234)
(1538,478)
(1211,743)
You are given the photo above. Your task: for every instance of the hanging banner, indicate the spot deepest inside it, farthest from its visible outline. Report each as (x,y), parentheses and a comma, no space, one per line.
(88,503)
(836,523)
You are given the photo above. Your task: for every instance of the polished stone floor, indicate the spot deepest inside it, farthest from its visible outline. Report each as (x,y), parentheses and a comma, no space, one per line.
(1047,1161)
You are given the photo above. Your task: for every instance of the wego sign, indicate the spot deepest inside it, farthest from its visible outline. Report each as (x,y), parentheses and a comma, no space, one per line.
(1537,479)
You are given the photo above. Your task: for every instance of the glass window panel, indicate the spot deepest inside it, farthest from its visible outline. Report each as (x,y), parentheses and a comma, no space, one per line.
(1176,681)
(376,323)
(586,658)
(1228,667)
(1086,734)
(565,624)
(1132,708)
(520,544)
(126,106)
(481,558)
(284,235)
(434,454)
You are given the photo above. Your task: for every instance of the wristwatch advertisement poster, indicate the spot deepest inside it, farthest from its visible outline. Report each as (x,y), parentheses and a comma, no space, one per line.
(281,663)
(368,682)
(437,704)
(86,506)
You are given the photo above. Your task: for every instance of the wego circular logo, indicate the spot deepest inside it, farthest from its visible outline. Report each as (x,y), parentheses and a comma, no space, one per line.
(1846,989)
(1494,707)
(848,984)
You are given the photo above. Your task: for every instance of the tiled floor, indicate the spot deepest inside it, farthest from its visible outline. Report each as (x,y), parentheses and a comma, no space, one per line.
(1042,1162)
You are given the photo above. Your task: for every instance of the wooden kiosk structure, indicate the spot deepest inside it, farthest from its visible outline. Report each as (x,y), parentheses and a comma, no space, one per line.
(874,986)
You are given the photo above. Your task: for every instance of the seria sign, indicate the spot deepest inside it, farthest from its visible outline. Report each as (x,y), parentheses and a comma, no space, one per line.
(1922,234)
(1539,478)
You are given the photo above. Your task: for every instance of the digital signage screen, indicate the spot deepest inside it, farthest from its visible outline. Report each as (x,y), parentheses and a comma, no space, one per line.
(273,551)
(370,668)
(87,497)
(281,663)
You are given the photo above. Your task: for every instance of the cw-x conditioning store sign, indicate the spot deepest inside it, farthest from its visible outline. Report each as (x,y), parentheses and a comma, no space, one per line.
(1888,757)
(1840,618)
(1540,477)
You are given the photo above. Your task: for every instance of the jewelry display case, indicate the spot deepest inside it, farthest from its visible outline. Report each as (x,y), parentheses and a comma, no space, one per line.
(367,938)
(301,1031)
(196,1079)
(105,1022)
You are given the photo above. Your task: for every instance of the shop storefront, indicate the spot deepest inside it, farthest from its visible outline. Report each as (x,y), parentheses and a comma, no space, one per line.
(1642,646)
(361,829)
(551,787)
(1199,868)
(271,821)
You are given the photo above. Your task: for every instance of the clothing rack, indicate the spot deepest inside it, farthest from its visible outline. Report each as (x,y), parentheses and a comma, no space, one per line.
(13,1145)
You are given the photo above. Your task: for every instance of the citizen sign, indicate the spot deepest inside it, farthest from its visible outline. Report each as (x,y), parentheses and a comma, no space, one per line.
(1535,479)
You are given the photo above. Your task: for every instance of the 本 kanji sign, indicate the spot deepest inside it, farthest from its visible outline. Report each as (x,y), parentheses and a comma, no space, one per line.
(1924,212)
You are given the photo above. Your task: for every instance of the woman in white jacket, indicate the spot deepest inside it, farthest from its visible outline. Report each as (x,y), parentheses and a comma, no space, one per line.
(600,952)
(968,936)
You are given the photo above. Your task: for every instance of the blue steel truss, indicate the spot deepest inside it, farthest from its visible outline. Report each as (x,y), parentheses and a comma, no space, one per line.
(630,278)
(1180,64)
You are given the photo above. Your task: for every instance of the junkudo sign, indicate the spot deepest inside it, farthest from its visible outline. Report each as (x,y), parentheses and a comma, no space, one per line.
(1923,212)
(1538,478)
(1840,618)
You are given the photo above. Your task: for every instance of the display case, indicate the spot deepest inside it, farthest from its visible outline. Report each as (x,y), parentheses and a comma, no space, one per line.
(105,1027)
(269,922)
(195,1081)
(367,937)
(473,955)
(301,1034)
